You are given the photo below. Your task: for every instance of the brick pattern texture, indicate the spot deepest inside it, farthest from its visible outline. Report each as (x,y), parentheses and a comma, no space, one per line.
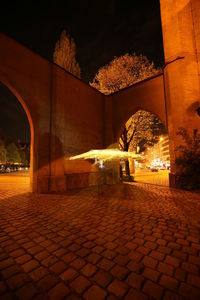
(144,245)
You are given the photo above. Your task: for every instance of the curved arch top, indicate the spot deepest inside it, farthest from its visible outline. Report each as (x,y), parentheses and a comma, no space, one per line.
(22,102)
(147,95)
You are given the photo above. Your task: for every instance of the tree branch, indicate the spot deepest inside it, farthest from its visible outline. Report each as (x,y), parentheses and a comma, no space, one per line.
(135,129)
(130,125)
(121,145)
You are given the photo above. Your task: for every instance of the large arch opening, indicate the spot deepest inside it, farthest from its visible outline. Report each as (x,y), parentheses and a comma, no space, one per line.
(145,134)
(16,139)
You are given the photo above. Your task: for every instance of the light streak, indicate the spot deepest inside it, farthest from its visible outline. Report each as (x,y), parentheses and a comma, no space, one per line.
(105,155)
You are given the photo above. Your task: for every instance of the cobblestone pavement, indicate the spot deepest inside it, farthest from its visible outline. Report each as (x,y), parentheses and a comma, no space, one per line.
(144,245)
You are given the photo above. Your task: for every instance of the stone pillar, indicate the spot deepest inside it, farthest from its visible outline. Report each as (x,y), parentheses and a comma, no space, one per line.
(181,38)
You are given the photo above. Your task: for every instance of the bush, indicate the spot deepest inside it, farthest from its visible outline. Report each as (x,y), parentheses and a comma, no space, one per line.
(188,161)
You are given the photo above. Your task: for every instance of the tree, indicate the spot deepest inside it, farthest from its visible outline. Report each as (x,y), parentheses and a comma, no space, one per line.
(3,152)
(143,128)
(13,155)
(120,73)
(23,158)
(140,130)
(187,160)
(65,54)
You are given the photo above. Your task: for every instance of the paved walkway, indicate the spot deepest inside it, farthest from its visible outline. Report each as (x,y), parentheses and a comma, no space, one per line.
(82,246)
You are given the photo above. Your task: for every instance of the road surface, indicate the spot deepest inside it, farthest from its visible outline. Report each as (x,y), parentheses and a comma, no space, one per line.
(14,180)
(159,178)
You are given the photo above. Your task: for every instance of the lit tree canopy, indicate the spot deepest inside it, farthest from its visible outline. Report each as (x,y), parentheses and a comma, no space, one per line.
(141,129)
(65,54)
(122,72)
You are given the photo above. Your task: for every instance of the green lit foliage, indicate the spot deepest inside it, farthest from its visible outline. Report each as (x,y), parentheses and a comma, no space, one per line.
(23,157)
(3,152)
(13,155)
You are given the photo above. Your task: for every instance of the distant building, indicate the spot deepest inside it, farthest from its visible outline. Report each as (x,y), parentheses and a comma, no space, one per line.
(164,144)
(158,154)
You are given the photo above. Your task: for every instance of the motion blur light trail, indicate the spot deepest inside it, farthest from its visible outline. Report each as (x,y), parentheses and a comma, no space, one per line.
(105,154)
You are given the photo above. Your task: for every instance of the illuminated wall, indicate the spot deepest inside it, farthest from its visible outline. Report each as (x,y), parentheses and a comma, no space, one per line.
(181,39)
(67,117)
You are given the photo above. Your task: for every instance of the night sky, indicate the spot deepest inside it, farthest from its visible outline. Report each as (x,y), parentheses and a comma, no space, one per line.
(101,30)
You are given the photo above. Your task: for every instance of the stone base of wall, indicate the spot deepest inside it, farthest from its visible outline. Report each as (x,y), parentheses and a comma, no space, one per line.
(61,184)
(51,184)
(83,180)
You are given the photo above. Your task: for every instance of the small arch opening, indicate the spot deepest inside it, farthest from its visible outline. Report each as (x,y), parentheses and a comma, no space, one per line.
(145,134)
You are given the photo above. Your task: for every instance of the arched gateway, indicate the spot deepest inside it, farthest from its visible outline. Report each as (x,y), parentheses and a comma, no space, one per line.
(68,117)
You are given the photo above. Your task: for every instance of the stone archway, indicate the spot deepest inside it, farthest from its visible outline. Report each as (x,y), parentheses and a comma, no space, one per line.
(145,134)
(147,95)
(31,126)
(66,113)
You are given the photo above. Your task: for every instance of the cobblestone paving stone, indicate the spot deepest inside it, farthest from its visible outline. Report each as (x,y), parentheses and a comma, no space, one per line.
(144,245)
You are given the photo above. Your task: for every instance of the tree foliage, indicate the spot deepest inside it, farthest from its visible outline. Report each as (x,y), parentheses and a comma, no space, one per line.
(122,72)
(65,54)
(140,130)
(13,155)
(188,158)
(3,152)
(23,158)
